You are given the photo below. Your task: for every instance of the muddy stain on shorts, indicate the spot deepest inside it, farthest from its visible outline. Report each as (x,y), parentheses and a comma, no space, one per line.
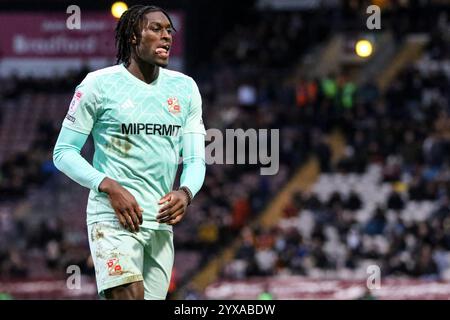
(96,234)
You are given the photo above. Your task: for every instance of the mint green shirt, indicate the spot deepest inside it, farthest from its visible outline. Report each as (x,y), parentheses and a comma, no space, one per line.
(137,130)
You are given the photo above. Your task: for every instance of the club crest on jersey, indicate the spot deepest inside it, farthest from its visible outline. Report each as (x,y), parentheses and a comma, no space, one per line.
(114,268)
(174,106)
(75,102)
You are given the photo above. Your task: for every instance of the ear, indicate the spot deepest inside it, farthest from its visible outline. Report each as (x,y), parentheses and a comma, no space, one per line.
(133,39)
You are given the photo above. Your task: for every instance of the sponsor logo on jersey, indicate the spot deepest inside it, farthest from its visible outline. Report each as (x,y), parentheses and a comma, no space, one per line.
(174,106)
(151,129)
(114,268)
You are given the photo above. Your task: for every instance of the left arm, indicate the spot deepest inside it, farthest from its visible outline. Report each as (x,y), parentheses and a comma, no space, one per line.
(194,167)
(191,181)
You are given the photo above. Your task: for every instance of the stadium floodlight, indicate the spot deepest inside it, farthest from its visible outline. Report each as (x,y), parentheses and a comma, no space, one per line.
(363,48)
(118,8)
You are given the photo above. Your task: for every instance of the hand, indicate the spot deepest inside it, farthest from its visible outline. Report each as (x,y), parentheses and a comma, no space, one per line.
(124,204)
(174,209)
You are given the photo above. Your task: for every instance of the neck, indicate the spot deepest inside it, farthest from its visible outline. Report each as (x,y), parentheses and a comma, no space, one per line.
(143,71)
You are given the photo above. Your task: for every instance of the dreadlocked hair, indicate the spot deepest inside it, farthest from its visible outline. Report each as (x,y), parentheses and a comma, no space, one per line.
(130,23)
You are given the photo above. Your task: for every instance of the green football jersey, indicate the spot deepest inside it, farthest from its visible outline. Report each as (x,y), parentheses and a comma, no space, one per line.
(137,130)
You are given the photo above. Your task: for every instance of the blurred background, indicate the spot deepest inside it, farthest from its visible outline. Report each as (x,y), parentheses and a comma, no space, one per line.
(364,123)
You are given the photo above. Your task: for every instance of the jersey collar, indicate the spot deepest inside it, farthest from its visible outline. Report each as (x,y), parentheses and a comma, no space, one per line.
(140,82)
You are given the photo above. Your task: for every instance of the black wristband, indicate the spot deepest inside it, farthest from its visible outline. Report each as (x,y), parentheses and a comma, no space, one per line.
(187,192)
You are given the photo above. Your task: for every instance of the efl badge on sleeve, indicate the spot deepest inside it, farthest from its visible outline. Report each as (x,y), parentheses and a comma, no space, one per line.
(174,106)
(75,102)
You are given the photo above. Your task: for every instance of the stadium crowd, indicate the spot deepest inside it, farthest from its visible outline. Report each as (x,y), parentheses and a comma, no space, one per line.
(405,134)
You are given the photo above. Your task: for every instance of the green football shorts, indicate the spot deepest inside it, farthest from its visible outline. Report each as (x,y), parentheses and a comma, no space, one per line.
(121,257)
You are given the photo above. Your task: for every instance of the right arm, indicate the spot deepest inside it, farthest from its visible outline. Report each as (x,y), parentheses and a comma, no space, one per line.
(67,158)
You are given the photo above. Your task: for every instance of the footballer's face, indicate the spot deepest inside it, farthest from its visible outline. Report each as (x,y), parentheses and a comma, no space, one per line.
(156,39)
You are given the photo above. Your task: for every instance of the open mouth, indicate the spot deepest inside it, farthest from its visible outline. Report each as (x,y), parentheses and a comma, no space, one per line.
(163,51)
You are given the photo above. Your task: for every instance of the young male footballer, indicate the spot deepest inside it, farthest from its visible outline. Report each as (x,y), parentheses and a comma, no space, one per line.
(142,118)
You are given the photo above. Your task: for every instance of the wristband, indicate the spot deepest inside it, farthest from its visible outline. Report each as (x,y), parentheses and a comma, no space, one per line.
(187,192)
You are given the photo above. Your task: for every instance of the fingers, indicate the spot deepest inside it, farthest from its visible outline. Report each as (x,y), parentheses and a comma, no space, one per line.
(125,219)
(135,218)
(138,211)
(175,214)
(122,219)
(126,207)
(165,209)
(178,216)
(141,216)
(129,218)
(165,215)
(170,213)
(168,206)
(166,198)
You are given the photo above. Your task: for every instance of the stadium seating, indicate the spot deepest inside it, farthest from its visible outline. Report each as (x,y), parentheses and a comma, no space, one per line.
(385,203)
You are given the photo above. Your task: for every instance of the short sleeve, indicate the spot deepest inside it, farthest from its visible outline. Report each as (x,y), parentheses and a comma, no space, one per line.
(83,107)
(194,122)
